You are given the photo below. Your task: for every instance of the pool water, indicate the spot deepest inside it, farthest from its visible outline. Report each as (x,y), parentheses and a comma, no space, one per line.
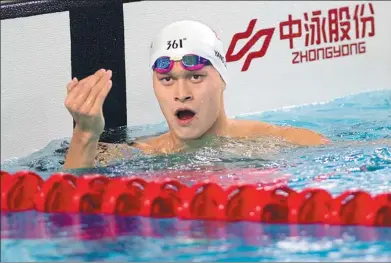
(360,158)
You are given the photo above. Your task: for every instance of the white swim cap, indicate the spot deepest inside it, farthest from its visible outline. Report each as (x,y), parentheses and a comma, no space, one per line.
(189,37)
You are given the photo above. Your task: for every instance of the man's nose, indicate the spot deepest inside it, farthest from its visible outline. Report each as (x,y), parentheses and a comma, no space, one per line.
(183,98)
(183,93)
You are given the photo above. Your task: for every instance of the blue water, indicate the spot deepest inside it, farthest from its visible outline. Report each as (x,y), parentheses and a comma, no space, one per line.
(360,158)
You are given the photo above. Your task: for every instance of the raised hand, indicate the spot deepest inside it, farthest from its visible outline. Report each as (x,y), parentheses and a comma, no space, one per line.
(85,100)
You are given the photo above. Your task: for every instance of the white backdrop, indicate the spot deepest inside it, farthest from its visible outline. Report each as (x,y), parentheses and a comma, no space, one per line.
(35,67)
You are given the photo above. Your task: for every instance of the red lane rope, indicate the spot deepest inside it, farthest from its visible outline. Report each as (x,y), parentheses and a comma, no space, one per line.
(134,196)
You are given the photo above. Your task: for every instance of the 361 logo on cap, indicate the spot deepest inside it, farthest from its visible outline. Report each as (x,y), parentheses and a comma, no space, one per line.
(176,43)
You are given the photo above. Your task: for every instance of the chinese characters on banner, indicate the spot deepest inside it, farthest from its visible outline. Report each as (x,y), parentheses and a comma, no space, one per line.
(329,34)
(336,26)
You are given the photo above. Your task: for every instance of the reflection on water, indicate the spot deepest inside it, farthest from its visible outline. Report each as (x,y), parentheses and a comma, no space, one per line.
(98,237)
(36,225)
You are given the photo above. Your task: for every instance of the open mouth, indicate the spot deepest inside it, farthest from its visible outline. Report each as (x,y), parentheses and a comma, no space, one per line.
(185,114)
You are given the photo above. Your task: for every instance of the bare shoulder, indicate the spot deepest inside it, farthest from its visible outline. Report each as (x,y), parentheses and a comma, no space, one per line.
(299,136)
(153,145)
(250,128)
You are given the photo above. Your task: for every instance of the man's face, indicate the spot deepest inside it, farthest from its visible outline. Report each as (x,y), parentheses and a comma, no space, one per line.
(190,100)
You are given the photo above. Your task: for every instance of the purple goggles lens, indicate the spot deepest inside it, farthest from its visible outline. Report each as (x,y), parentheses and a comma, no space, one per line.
(188,62)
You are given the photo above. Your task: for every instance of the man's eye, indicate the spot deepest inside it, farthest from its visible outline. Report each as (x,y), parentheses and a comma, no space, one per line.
(196,77)
(166,79)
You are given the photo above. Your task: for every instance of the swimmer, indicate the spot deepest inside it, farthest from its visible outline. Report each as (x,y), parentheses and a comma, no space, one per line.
(189,79)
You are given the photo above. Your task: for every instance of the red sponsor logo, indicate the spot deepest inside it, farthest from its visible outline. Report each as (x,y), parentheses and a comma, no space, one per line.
(268,33)
(342,30)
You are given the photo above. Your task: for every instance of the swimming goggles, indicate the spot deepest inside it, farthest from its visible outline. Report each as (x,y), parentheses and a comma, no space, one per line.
(188,62)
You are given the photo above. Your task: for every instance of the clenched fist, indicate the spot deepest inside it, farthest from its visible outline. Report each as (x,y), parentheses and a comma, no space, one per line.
(85,101)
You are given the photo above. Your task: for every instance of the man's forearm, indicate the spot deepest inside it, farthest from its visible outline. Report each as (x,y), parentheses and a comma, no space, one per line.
(82,151)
